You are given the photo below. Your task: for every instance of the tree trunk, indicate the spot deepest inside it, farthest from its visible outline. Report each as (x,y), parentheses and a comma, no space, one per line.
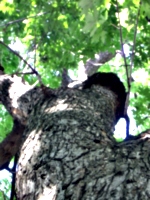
(68,151)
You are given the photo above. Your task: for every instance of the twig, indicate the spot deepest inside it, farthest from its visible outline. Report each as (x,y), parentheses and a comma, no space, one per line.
(134,39)
(33,70)
(35,40)
(23,73)
(126,67)
(132,57)
(22,19)
(121,41)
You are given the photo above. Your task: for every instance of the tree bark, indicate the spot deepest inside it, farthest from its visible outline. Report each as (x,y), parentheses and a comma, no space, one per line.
(68,151)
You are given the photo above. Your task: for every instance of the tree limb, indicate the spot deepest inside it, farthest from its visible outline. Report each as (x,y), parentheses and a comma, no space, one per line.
(92,65)
(15,53)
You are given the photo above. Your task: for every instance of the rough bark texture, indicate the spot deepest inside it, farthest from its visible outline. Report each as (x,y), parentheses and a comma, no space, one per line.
(68,151)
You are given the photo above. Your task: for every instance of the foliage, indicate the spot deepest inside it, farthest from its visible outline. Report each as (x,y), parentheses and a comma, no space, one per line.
(6,123)
(5,187)
(57,34)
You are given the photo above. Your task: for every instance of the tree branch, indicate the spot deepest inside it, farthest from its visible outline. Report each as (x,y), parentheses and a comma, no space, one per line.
(22,19)
(92,65)
(134,39)
(9,147)
(122,48)
(18,55)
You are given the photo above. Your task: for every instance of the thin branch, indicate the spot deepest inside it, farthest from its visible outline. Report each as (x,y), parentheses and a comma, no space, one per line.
(23,73)
(14,52)
(35,48)
(134,39)
(22,19)
(128,73)
(121,41)
(132,55)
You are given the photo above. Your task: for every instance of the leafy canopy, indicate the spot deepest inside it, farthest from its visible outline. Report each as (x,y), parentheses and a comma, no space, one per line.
(56,34)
